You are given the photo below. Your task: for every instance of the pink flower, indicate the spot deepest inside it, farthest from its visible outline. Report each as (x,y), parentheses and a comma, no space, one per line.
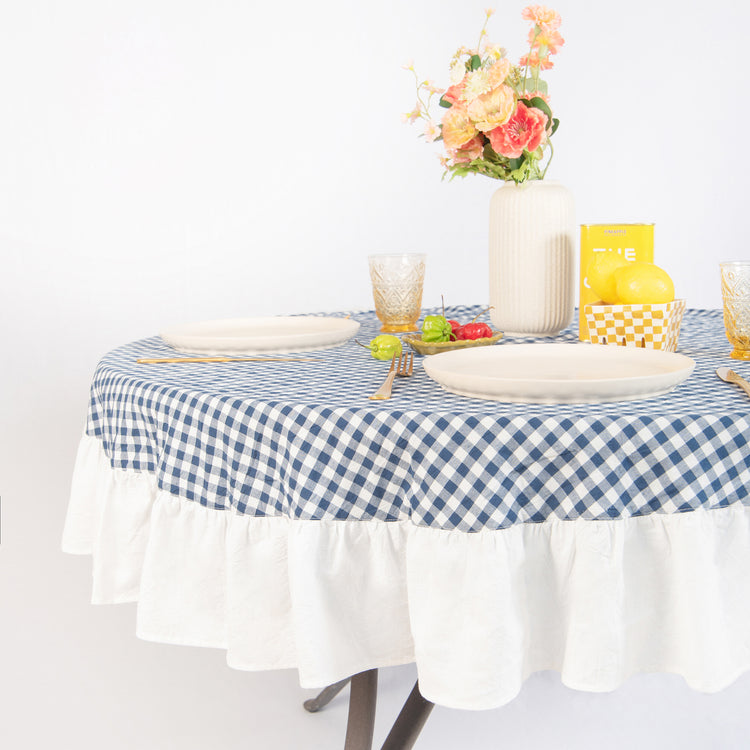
(430,87)
(412,116)
(526,129)
(542,16)
(431,131)
(468,151)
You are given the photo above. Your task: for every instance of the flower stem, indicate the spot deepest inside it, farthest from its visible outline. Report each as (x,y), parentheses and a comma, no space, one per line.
(551,154)
(537,31)
(482,31)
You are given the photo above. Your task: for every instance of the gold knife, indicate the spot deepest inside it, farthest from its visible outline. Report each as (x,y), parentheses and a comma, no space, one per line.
(172,360)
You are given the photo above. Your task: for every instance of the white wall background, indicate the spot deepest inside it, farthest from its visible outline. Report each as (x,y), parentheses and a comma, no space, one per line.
(165,160)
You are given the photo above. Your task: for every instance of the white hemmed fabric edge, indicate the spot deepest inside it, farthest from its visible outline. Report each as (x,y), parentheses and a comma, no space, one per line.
(596,601)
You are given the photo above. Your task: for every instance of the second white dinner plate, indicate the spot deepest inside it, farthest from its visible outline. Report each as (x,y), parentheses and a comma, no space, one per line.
(559,373)
(280,334)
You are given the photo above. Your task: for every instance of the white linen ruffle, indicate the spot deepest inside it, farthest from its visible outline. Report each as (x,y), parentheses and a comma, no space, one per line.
(595,600)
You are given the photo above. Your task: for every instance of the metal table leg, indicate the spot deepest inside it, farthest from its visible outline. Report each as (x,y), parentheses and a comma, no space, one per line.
(410,722)
(325,696)
(362,701)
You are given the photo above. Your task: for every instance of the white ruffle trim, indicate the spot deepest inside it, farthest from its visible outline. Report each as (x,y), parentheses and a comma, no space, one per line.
(595,600)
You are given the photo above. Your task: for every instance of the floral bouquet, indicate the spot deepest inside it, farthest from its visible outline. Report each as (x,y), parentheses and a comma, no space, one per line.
(498,121)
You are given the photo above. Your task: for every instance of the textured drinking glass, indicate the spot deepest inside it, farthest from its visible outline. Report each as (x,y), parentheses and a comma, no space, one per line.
(397,281)
(735,290)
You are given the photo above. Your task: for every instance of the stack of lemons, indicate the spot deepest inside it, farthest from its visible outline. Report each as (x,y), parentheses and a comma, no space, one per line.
(621,282)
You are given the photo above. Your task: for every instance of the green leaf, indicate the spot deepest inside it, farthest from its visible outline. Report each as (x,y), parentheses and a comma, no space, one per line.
(475,62)
(515,164)
(444,103)
(555,124)
(529,84)
(538,103)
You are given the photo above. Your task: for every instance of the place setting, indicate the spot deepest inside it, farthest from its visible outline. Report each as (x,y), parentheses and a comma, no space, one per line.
(625,350)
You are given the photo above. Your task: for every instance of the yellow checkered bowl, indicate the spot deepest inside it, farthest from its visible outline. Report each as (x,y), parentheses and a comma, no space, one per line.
(644,326)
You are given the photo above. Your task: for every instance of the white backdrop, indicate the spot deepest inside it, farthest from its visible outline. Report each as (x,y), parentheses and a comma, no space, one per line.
(164,161)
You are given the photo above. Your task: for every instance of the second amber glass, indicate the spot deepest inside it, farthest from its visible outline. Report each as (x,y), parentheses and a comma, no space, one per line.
(735,291)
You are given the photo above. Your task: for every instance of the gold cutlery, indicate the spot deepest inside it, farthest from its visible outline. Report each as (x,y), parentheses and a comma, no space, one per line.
(403,368)
(171,360)
(730,376)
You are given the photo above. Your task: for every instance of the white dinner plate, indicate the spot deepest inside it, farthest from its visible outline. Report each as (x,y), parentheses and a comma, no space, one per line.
(558,373)
(281,334)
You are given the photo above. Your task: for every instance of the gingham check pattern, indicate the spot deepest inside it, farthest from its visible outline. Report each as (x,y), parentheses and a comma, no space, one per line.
(647,326)
(303,439)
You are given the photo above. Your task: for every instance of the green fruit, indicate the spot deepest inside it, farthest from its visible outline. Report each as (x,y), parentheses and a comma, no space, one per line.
(384,347)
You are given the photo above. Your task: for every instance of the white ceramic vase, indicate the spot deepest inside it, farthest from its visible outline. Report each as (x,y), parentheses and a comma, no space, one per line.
(532,258)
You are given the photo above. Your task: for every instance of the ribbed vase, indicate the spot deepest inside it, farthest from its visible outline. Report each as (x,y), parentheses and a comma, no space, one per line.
(532,258)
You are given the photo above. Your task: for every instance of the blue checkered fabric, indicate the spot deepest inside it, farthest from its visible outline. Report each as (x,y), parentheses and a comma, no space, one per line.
(304,440)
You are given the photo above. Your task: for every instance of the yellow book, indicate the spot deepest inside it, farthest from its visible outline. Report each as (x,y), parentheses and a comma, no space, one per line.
(632,241)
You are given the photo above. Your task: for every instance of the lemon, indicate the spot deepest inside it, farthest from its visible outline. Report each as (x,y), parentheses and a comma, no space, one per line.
(641,283)
(600,274)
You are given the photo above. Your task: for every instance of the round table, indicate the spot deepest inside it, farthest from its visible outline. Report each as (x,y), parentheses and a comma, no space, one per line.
(275,511)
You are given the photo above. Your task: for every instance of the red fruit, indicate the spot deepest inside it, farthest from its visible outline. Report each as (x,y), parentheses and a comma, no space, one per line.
(474,331)
(455,325)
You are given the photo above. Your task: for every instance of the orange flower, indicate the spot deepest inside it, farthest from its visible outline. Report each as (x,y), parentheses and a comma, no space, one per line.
(453,93)
(527,129)
(544,17)
(457,127)
(533,60)
(552,40)
(493,108)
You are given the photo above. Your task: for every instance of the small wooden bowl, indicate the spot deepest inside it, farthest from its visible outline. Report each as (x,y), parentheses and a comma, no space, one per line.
(435,347)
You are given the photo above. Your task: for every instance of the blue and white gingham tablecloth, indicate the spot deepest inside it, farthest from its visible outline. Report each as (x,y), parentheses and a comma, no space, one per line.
(303,439)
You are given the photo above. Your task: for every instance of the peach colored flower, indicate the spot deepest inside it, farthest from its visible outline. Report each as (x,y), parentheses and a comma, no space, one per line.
(457,127)
(498,72)
(542,16)
(552,40)
(468,151)
(526,129)
(493,108)
(453,93)
(533,60)
(484,80)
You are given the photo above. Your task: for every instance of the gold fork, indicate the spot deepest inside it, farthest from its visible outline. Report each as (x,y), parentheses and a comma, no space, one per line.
(403,369)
